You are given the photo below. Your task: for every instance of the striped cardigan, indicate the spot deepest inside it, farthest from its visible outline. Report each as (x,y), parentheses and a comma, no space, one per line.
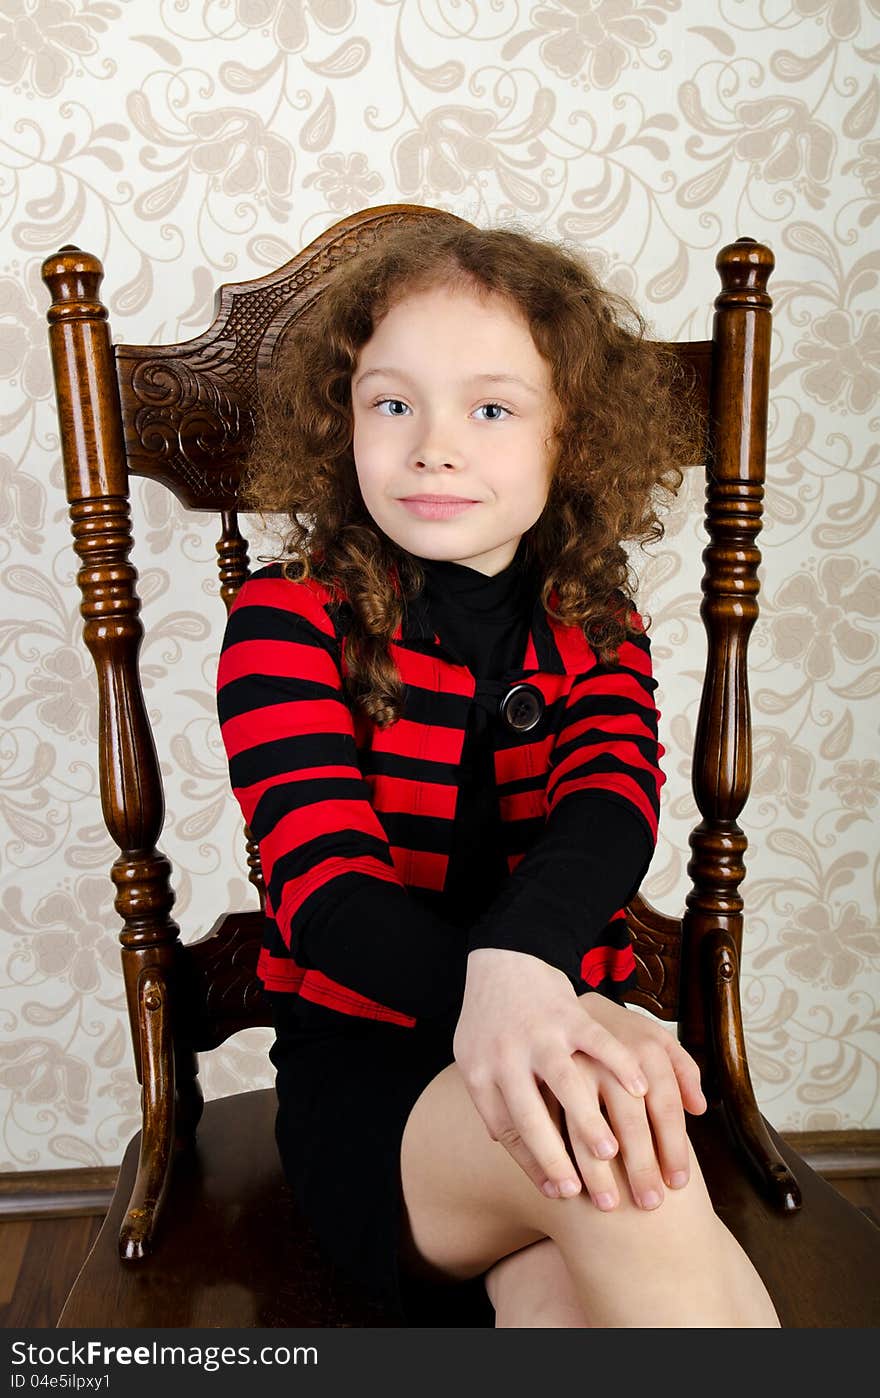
(344,810)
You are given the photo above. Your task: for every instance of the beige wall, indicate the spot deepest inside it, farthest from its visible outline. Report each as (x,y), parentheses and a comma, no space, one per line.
(188,147)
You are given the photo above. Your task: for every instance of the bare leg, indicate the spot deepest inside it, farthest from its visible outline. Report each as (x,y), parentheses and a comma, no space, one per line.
(673,1266)
(532,1289)
(676,1265)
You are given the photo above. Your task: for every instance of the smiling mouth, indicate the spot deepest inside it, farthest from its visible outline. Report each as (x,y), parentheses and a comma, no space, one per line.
(436,506)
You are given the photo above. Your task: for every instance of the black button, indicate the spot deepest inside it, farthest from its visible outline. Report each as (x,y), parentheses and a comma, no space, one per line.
(522,707)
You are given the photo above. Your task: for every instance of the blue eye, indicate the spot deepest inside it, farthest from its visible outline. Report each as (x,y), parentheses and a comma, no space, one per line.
(381,402)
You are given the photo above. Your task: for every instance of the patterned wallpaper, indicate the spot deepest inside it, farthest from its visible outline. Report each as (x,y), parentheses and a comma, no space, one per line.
(193,143)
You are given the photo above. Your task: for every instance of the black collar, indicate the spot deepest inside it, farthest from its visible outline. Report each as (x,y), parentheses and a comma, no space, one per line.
(417,633)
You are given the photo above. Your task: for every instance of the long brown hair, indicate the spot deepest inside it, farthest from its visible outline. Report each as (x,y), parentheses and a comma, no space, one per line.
(627,425)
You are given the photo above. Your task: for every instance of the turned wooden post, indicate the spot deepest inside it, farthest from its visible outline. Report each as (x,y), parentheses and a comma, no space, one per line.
(132,800)
(710,1025)
(721,772)
(233,565)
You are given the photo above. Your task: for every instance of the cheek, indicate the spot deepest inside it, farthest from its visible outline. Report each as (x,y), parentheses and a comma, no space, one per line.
(358,441)
(365,456)
(533,497)
(538,487)
(374,483)
(369,443)
(548,472)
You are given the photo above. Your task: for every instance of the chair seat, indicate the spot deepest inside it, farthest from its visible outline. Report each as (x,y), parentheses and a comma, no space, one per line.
(821,1262)
(233,1251)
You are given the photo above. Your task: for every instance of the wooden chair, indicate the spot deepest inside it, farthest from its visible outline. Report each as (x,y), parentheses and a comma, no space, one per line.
(202,1230)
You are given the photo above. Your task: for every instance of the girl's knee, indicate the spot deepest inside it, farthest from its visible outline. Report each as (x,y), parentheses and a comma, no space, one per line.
(684,1224)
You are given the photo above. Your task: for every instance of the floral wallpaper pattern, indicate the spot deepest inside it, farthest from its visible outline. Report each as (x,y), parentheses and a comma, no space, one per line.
(193,142)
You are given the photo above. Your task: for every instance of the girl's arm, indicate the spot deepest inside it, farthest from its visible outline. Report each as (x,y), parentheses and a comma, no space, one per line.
(603,804)
(519,1033)
(561,901)
(293,763)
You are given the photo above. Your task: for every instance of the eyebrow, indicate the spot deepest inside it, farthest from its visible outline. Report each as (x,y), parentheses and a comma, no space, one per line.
(475,378)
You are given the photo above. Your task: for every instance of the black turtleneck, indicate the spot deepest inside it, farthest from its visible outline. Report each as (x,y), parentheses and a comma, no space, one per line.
(483,620)
(593,852)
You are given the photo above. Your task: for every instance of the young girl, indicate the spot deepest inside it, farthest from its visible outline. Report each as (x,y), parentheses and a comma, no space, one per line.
(439,718)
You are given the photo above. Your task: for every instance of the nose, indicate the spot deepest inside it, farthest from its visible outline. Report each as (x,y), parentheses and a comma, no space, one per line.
(435,448)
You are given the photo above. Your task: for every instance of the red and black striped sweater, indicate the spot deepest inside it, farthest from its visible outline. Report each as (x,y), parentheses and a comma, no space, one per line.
(356,824)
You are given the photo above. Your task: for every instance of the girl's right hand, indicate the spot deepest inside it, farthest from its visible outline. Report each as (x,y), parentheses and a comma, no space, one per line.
(530,1049)
(521,1020)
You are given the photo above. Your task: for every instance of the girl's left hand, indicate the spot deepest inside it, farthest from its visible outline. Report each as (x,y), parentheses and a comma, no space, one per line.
(673,1088)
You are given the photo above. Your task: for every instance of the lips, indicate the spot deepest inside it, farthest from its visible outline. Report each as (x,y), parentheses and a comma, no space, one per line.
(437,506)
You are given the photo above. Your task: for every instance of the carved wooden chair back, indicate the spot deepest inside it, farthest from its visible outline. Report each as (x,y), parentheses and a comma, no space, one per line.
(183,415)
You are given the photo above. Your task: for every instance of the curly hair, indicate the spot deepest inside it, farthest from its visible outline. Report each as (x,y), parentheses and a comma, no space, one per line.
(628,423)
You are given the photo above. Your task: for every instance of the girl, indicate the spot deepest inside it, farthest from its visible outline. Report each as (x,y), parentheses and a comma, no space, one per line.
(438,713)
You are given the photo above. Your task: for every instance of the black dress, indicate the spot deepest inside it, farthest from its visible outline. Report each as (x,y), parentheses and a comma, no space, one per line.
(346,1085)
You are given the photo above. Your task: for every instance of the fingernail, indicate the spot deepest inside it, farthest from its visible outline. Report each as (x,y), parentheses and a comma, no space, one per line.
(639,1085)
(650,1200)
(605,1149)
(605,1201)
(678,1179)
(549,1188)
(568,1188)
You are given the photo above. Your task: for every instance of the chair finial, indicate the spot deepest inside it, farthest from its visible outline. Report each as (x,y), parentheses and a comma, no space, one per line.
(74,279)
(744,268)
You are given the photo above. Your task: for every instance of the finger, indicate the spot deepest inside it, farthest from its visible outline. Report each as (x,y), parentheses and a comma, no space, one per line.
(687,1072)
(588,1136)
(531,1132)
(666,1114)
(557,1116)
(490,1102)
(629,1119)
(598,1042)
(598,1177)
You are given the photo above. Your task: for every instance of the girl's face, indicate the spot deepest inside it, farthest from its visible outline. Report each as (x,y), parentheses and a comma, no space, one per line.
(452,401)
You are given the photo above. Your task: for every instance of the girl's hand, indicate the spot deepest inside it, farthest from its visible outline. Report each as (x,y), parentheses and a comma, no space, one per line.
(521,1021)
(674,1087)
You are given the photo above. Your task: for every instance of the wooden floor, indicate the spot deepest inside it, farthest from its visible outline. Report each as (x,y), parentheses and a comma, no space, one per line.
(39,1259)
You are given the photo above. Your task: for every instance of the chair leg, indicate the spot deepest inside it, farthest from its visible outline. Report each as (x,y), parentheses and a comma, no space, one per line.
(731,1065)
(190,1101)
(136,1236)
